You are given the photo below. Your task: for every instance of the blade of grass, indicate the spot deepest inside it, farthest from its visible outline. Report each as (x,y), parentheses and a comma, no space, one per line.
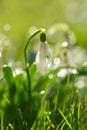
(2,127)
(79,105)
(8,75)
(6,99)
(63,125)
(65,118)
(10,127)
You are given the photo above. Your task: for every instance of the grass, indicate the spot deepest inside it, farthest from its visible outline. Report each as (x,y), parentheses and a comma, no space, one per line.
(58,99)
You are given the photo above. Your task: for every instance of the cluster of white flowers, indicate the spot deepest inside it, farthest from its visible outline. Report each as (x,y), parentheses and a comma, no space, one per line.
(44,56)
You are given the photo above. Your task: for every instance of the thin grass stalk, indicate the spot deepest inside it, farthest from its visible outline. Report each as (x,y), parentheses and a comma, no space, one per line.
(2,127)
(79,105)
(65,119)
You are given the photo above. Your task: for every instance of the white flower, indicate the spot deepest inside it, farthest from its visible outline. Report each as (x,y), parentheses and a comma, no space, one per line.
(43,58)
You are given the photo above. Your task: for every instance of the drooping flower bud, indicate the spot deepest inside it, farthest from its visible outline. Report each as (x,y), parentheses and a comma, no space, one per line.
(44,56)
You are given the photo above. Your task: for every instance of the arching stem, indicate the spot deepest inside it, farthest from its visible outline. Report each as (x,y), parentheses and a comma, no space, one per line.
(26,60)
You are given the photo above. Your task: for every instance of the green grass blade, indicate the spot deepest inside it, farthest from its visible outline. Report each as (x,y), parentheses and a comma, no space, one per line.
(8,75)
(79,105)
(2,127)
(63,125)
(65,118)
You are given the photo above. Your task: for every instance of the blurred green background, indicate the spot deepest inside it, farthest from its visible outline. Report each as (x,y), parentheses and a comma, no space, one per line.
(16,17)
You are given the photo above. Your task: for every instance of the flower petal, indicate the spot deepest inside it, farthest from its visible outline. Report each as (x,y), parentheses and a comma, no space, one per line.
(43,58)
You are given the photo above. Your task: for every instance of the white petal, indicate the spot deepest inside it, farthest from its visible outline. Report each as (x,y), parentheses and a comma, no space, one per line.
(43,58)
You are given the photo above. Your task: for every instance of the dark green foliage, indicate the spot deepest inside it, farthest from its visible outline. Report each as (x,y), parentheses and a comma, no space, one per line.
(42,110)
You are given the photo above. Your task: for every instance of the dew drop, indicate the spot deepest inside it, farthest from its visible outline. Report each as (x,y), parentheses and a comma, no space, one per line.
(62,73)
(50,76)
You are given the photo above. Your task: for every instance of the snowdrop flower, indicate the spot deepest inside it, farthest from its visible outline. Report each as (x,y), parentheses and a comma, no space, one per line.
(44,56)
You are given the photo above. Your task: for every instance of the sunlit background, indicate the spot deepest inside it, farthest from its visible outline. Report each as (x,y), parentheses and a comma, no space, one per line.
(17,17)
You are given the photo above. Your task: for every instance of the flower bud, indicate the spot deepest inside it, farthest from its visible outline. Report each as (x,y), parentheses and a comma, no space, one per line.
(44,56)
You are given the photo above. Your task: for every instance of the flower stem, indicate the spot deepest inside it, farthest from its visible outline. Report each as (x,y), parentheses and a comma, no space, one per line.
(25,56)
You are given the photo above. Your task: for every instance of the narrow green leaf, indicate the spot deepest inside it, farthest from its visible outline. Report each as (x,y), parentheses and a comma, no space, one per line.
(2,127)
(33,69)
(65,118)
(8,74)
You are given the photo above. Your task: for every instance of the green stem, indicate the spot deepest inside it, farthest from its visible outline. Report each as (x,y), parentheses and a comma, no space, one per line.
(26,61)
(79,105)
(2,128)
(65,119)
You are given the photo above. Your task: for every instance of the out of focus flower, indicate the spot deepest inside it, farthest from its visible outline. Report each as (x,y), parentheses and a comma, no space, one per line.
(44,56)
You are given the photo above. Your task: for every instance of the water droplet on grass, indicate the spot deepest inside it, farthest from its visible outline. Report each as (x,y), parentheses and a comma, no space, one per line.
(80,84)
(62,73)
(42,92)
(74,71)
(50,76)
(65,44)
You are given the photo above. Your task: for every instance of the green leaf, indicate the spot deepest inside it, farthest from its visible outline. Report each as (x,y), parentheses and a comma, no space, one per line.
(33,69)
(65,119)
(8,74)
(33,74)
